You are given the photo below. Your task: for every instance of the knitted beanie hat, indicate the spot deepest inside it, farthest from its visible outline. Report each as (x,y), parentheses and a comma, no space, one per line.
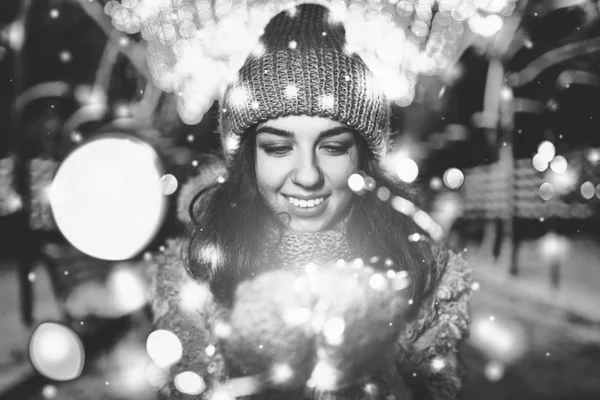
(304,69)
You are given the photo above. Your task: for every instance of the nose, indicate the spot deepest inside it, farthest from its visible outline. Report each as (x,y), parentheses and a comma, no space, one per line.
(307,173)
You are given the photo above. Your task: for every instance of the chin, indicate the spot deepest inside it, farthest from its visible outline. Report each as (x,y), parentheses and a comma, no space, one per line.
(308,226)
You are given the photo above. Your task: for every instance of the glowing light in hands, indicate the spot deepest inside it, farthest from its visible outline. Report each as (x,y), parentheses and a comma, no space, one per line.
(333,330)
(189,382)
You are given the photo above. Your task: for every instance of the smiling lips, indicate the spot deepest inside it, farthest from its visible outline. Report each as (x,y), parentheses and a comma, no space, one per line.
(302,203)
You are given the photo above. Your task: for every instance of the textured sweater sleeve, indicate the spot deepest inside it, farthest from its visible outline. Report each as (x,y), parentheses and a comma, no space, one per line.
(429,349)
(186,308)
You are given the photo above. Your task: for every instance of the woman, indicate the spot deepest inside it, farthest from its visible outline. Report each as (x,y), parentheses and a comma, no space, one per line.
(303,117)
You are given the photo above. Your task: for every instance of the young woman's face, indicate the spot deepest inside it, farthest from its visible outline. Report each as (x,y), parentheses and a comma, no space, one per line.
(302,166)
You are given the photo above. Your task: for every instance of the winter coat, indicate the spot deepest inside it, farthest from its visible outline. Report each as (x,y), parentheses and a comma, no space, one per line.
(428,349)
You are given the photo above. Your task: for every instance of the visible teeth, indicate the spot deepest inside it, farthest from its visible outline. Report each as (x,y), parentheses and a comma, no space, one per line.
(306,203)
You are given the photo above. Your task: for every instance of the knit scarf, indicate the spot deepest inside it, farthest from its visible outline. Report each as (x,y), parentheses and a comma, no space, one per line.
(293,251)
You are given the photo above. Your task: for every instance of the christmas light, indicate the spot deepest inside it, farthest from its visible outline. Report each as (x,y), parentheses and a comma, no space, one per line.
(559,164)
(227,31)
(210,350)
(56,352)
(106,197)
(297,316)
(546,191)
(189,382)
(383,194)
(553,246)
(168,184)
(378,282)
(437,364)
(281,373)
(547,150)
(333,331)
(497,339)
(164,347)
(323,377)
(494,371)
(127,291)
(356,182)
(453,178)
(540,162)
(406,168)
(193,295)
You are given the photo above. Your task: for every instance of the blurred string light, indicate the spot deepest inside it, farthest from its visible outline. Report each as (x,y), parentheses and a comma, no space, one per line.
(546,191)
(127,290)
(587,190)
(106,196)
(553,246)
(546,150)
(494,371)
(593,156)
(49,392)
(357,183)
(559,164)
(168,184)
(500,340)
(128,376)
(563,182)
(56,352)
(453,178)
(195,48)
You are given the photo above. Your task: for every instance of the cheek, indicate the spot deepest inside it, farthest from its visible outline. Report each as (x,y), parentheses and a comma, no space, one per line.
(270,174)
(339,171)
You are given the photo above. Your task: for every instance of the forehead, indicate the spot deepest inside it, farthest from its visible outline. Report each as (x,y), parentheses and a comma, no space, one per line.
(303,125)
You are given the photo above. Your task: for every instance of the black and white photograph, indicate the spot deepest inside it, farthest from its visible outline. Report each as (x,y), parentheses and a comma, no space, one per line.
(299,200)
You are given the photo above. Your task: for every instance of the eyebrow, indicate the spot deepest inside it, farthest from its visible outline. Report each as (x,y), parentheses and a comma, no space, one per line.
(324,134)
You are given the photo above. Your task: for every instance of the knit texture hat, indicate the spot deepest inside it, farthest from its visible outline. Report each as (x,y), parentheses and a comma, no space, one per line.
(301,67)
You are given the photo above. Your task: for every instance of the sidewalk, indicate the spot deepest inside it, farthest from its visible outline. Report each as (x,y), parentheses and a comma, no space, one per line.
(577,297)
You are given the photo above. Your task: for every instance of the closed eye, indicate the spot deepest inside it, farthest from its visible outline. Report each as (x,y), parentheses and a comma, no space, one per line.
(336,150)
(277,151)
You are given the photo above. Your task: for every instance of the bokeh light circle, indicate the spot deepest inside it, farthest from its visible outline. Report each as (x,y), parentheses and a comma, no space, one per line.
(49,392)
(546,191)
(106,196)
(356,182)
(539,162)
(168,184)
(56,352)
(587,190)
(189,382)
(559,164)
(494,371)
(453,178)
(407,169)
(435,183)
(164,348)
(547,150)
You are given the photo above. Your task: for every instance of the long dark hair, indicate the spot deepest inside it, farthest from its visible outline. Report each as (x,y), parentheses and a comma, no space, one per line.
(228,222)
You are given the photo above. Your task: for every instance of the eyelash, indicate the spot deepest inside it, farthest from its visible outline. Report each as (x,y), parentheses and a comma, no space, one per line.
(280,151)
